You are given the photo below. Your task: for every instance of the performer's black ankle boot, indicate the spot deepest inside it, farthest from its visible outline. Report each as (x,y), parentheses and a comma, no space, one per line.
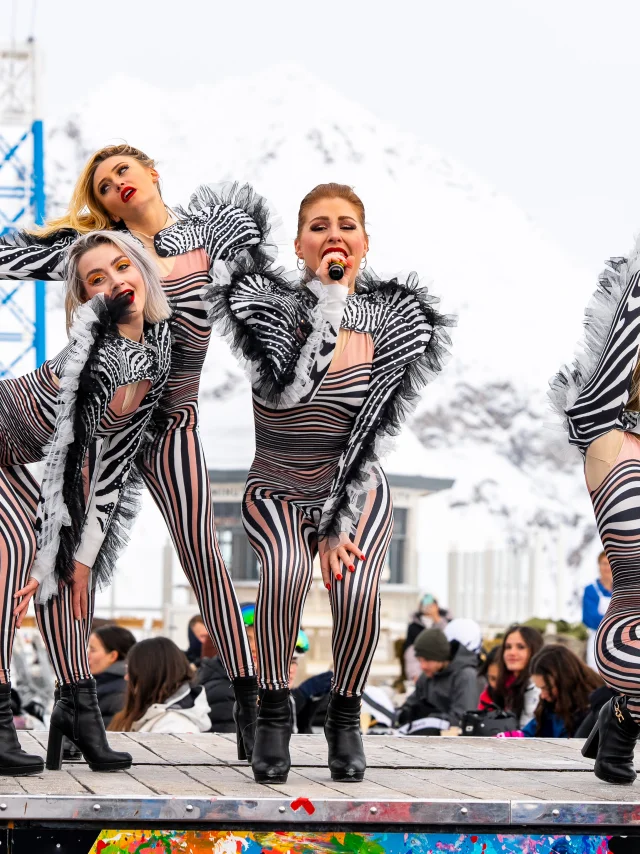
(612,742)
(70,752)
(76,715)
(245,713)
(347,761)
(271,761)
(14,762)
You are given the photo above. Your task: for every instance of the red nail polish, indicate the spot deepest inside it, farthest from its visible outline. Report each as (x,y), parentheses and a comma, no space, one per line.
(339,577)
(352,568)
(328,586)
(362,557)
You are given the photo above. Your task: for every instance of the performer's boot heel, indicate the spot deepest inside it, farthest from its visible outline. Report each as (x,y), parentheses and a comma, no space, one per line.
(77,715)
(347,761)
(245,713)
(590,747)
(271,760)
(617,739)
(55,748)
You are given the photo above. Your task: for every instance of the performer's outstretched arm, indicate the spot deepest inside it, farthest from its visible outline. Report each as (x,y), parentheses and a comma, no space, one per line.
(27,256)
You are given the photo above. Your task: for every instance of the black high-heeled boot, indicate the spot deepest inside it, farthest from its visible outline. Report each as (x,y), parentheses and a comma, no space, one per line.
(14,762)
(245,714)
(70,752)
(271,761)
(77,715)
(612,742)
(347,761)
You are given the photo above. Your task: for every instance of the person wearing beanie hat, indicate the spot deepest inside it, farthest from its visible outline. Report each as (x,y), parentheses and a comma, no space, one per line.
(447,688)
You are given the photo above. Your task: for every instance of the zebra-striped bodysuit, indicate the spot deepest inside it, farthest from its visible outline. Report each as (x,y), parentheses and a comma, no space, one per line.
(316,479)
(28,410)
(297,454)
(591,396)
(174,467)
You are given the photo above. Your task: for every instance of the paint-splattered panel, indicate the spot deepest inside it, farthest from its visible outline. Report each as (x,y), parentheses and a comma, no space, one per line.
(285,842)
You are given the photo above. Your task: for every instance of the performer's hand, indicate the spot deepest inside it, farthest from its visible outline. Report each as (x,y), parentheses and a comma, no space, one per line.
(331,559)
(80,591)
(25,596)
(332,258)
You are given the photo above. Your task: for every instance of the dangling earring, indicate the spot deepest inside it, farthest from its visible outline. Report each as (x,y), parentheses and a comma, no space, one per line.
(301,261)
(363,266)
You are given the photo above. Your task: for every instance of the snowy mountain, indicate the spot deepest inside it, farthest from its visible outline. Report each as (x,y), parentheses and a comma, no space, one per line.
(518,298)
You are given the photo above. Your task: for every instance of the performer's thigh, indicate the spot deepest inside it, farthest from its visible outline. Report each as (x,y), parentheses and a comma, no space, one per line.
(285,543)
(66,638)
(355,600)
(17,551)
(175,472)
(616,503)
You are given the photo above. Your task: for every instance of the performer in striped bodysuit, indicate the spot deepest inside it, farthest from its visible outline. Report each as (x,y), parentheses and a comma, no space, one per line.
(94,401)
(335,367)
(598,398)
(119,188)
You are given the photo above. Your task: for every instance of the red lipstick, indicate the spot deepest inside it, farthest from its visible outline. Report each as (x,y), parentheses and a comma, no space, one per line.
(333,250)
(127,193)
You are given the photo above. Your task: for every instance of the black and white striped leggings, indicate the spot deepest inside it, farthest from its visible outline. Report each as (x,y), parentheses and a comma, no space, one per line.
(616,503)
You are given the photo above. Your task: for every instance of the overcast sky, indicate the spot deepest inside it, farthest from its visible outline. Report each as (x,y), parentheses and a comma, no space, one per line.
(539,98)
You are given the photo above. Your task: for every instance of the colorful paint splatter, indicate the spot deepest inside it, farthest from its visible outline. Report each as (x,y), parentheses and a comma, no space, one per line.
(250,842)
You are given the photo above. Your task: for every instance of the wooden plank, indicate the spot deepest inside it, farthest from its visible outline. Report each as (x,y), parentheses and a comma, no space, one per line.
(299,786)
(366,789)
(31,744)
(228,782)
(523,785)
(580,785)
(171,749)
(55,783)
(217,749)
(169,780)
(121,784)
(403,784)
(481,785)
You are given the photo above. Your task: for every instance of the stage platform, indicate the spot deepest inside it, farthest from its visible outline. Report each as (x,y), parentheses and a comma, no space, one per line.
(447,783)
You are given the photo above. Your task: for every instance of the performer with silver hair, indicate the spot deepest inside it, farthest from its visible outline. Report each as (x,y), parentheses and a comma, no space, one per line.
(88,409)
(598,399)
(119,189)
(335,366)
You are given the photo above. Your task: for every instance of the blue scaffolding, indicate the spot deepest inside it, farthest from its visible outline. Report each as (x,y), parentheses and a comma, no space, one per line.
(22,203)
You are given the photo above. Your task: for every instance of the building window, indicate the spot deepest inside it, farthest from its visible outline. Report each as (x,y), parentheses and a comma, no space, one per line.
(397,548)
(234,545)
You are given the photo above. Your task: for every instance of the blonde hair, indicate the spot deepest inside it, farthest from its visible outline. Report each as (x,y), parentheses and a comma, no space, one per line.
(86,212)
(330,191)
(156,306)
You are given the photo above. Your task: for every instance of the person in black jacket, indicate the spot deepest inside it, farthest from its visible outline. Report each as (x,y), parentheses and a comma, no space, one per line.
(108,648)
(219,690)
(447,688)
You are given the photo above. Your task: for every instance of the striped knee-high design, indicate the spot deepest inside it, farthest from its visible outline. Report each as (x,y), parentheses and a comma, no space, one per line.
(616,503)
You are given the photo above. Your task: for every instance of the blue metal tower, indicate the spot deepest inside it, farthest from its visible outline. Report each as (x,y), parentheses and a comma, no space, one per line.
(22,203)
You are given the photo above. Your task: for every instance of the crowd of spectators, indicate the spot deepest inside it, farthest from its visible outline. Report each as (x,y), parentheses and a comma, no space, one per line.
(454,681)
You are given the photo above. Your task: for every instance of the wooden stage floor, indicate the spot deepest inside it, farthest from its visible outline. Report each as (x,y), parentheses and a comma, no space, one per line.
(409,781)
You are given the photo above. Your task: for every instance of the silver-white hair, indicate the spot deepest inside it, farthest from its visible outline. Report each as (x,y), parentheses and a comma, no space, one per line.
(156,306)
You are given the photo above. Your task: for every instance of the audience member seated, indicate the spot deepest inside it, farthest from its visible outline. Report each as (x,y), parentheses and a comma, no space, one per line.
(198,633)
(447,688)
(219,690)
(160,694)
(311,697)
(595,602)
(565,684)
(108,649)
(488,672)
(515,691)
(428,616)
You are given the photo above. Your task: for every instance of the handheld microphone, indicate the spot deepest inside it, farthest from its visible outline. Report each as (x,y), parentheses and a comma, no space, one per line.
(336,271)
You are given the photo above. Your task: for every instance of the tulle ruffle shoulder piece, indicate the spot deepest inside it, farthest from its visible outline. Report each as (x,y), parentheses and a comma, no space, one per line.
(54,513)
(405,311)
(197,224)
(272,323)
(566,386)
(80,407)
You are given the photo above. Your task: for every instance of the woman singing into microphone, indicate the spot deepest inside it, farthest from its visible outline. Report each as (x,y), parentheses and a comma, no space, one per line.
(336,366)
(86,413)
(119,189)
